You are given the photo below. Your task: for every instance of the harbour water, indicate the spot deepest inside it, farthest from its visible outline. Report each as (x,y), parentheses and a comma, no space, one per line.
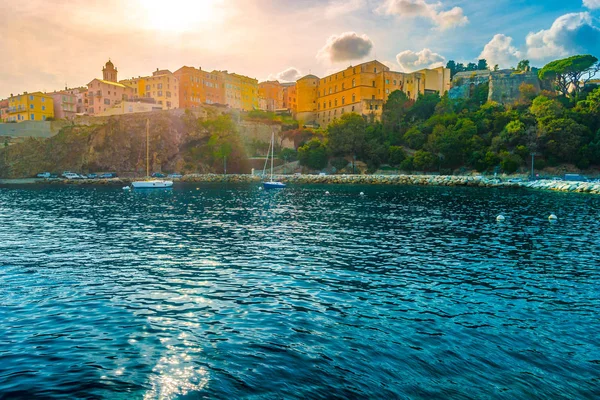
(230,292)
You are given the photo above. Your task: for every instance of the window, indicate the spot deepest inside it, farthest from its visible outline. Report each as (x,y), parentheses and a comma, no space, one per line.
(353,82)
(342,110)
(169,104)
(43,117)
(31,106)
(160,93)
(375,70)
(31,98)
(353,98)
(373,97)
(109,92)
(147,87)
(387,81)
(371,107)
(343,86)
(168,94)
(32,117)
(43,108)
(329,90)
(343,100)
(335,102)
(159,86)
(373,83)
(376,106)
(394,81)
(324,105)
(43,99)
(329,103)
(352,108)
(107,101)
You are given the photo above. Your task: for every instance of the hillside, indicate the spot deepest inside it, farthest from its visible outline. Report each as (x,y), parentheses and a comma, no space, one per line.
(179,142)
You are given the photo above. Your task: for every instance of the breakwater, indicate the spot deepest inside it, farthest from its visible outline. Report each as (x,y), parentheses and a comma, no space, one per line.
(414,180)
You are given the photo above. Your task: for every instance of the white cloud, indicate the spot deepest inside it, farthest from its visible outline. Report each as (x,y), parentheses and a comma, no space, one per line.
(341,7)
(591,4)
(444,19)
(500,51)
(569,34)
(346,47)
(411,61)
(290,74)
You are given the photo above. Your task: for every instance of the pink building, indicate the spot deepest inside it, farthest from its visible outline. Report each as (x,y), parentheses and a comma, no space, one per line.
(65,104)
(104,93)
(3,110)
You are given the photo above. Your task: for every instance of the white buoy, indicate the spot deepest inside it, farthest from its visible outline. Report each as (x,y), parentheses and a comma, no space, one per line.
(552,217)
(126,188)
(500,218)
(362,193)
(326,192)
(260,188)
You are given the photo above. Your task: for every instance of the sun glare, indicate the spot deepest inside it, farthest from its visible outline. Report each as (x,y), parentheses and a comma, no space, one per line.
(179,16)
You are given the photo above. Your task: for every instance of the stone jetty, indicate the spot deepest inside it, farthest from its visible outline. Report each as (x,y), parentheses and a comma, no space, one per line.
(399,180)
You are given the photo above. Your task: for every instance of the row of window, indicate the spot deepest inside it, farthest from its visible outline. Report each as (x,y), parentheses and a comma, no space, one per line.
(343,73)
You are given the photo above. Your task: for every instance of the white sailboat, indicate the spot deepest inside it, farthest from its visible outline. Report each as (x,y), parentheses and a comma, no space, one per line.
(150,183)
(272,184)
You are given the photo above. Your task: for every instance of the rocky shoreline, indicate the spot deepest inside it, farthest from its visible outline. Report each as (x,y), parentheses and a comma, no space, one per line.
(415,180)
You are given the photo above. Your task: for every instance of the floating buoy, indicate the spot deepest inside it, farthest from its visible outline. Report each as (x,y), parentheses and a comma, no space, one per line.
(197,188)
(500,218)
(552,217)
(126,188)
(362,193)
(326,192)
(260,188)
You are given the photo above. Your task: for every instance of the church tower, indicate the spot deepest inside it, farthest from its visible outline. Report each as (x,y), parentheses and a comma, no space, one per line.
(109,72)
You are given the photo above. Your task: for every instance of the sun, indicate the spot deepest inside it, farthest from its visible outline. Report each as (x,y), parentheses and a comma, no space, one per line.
(178,16)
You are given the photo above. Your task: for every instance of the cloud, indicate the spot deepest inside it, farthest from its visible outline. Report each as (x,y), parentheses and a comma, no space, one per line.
(345,47)
(411,61)
(341,7)
(444,19)
(591,4)
(290,74)
(500,51)
(569,34)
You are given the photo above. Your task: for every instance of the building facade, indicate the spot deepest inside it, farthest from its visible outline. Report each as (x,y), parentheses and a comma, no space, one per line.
(361,89)
(197,87)
(248,92)
(3,110)
(162,86)
(30,107)
(289,97)
(65,104)
(104,93)
(270,95)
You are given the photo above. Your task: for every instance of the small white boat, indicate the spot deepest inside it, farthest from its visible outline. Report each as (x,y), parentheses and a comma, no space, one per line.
(158,184)
(148,183)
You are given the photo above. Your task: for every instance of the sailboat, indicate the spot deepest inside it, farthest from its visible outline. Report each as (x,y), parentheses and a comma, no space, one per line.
(272,184)
(149,183)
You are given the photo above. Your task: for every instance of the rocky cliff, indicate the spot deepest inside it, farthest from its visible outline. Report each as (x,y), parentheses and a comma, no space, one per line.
(178,143)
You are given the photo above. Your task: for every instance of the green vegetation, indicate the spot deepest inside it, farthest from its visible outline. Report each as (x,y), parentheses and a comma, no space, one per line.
(570,73)
(445,135)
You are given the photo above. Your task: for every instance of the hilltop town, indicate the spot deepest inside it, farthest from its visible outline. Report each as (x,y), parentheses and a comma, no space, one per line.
(311,100)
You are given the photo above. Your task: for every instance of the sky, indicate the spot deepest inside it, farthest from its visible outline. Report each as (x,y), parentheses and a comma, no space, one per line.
(46,45)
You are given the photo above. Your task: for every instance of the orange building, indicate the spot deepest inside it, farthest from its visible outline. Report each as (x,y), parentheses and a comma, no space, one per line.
(289,97)
(197,87)
(270,93)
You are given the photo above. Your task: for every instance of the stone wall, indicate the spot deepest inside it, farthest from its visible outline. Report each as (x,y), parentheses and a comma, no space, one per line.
(504,85)
(35,129)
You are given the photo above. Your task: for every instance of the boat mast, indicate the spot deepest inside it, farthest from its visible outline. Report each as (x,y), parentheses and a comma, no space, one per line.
(147,148)
(272,152)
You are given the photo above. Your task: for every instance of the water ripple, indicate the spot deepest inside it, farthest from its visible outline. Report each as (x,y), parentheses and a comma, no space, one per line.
(231,292)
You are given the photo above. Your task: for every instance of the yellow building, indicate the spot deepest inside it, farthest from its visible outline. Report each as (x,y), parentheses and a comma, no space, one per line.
(362,89)
(249,92)
(162,86)
(30,107)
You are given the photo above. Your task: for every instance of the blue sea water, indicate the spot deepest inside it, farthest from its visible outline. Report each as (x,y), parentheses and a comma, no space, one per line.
(230,292)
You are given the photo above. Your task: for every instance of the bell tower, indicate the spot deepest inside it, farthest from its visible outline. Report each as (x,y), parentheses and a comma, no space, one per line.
(109,72)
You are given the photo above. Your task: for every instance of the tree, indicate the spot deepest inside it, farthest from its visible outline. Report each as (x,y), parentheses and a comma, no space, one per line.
(545,109)
(482,65)
(313,154)
(572,73)
(347,136)
(424,107)
(471,67)
(451,65)
(396,156)
(523,65)
(394,111)
(563,138)
(424,161)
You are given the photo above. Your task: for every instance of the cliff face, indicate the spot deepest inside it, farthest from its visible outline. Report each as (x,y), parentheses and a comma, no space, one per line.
(503,85)
(118,144)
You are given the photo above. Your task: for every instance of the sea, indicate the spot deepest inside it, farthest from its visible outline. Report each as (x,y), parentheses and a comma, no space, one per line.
(310,292)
